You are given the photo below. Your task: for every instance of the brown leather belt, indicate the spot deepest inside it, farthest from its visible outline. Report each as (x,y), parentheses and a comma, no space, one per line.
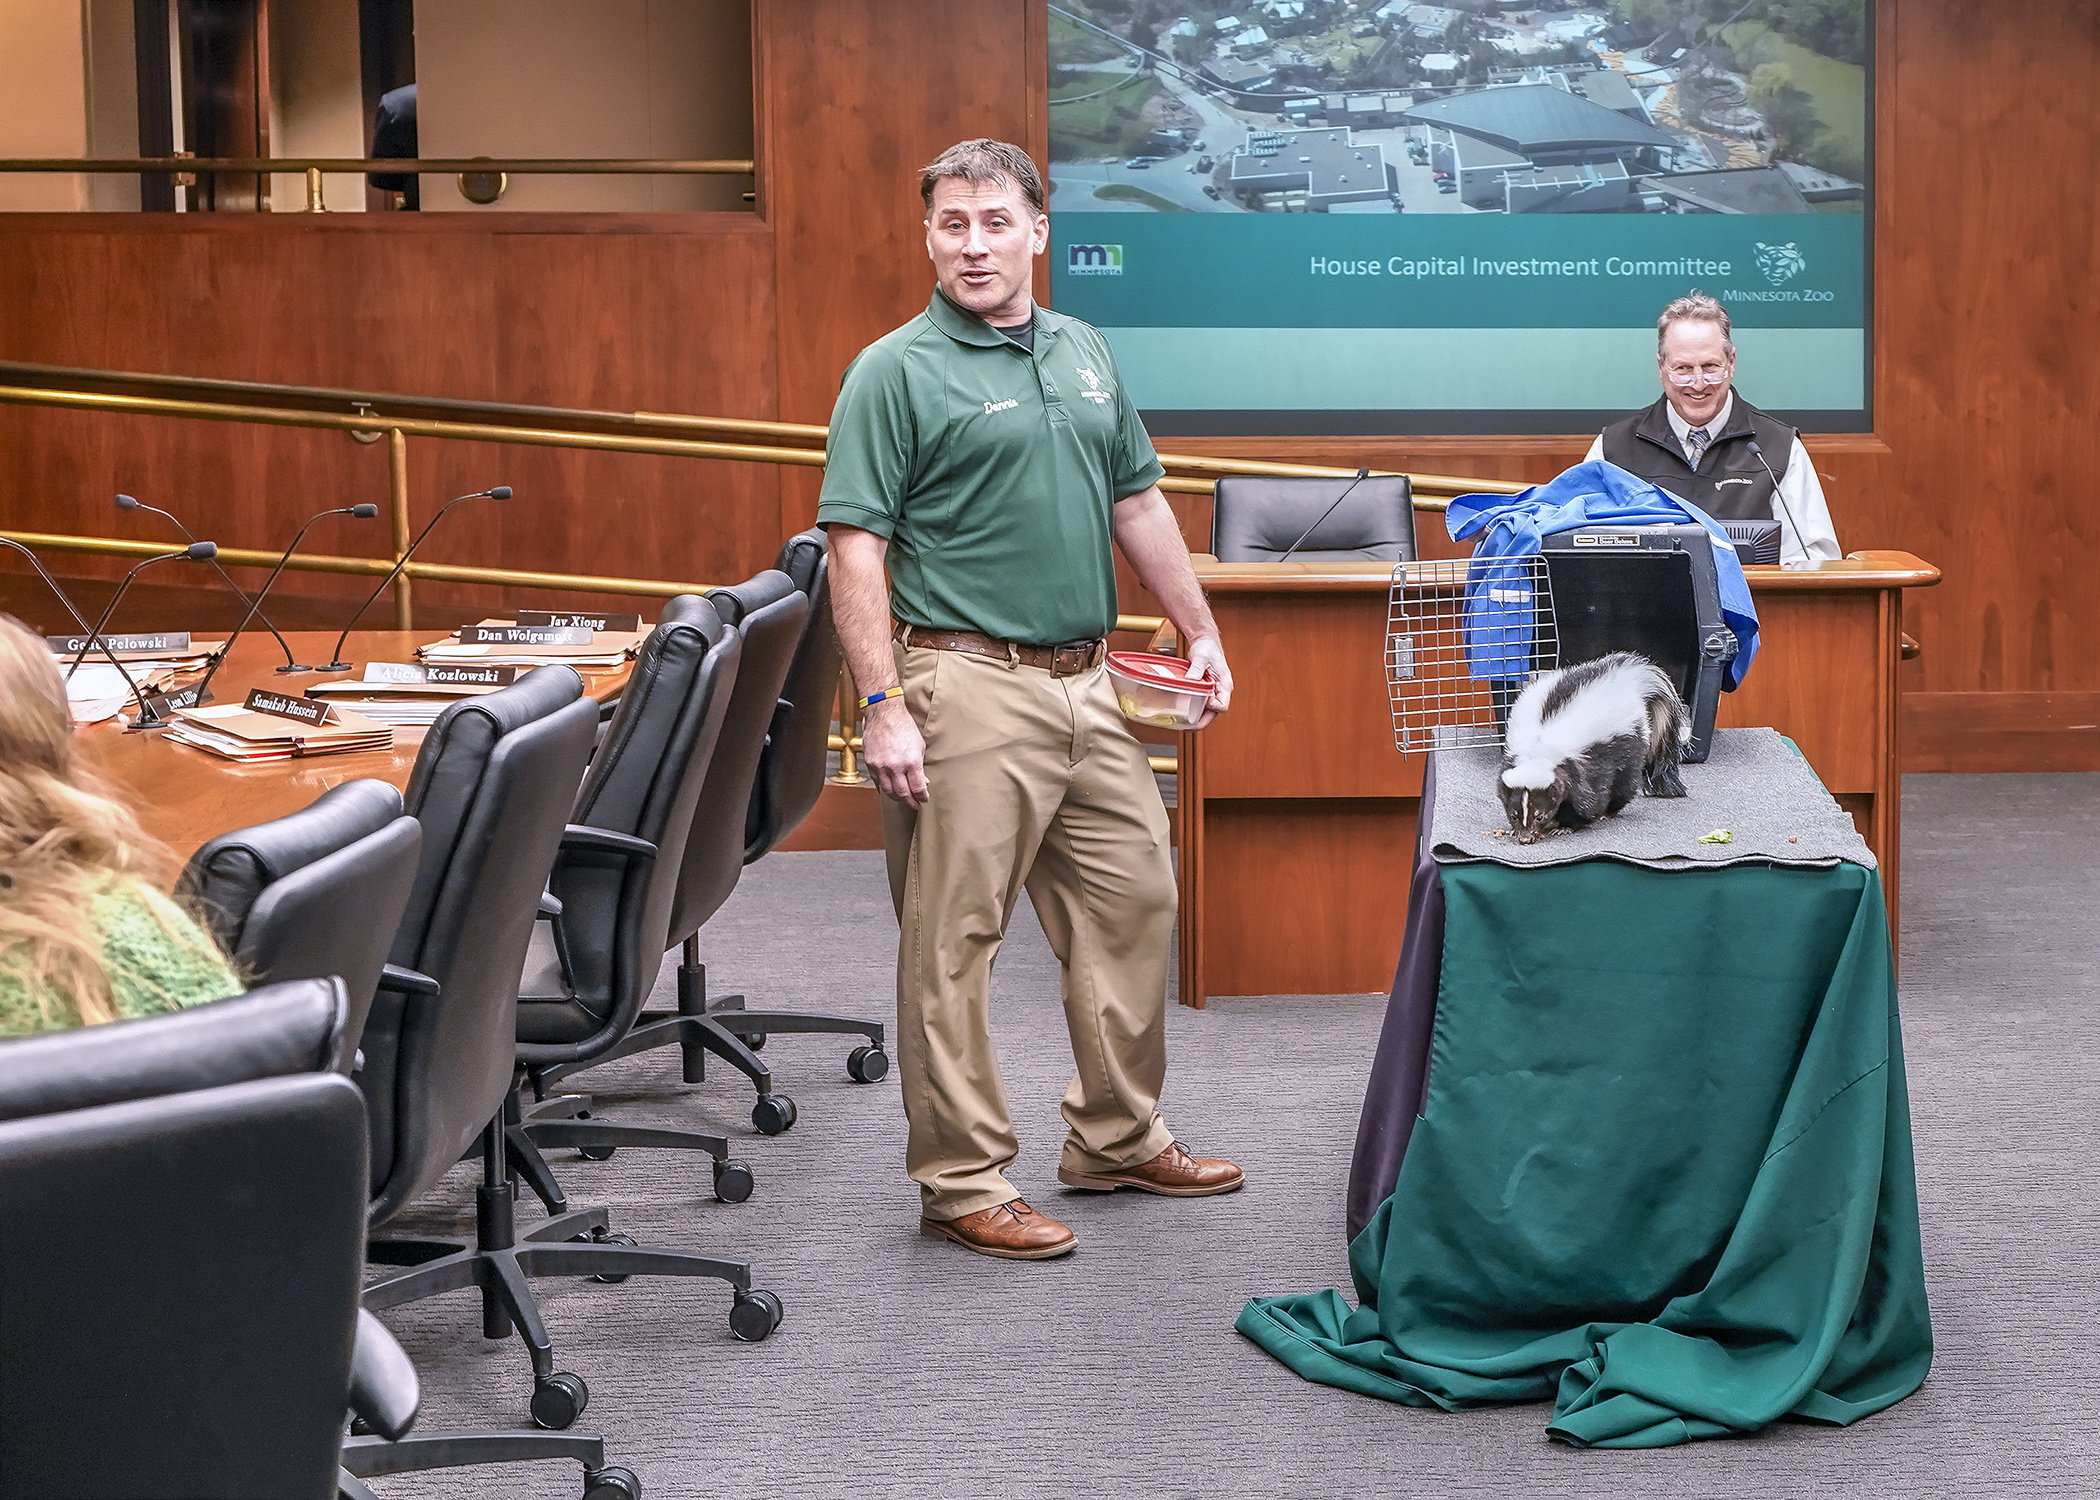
(1068,660)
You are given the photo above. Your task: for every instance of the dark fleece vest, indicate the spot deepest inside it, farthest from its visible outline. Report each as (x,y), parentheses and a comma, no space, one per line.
(1729,484)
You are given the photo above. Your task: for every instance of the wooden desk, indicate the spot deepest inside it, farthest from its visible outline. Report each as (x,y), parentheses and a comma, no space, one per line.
(1297,815)
(185,796)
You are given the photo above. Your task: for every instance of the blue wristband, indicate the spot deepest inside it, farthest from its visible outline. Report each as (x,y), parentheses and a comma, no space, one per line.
(874,698)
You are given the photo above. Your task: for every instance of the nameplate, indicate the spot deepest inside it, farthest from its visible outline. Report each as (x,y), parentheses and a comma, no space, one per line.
(523,635)
(164,704)
(628,624)
(305,710)
(397,671)
(167,640)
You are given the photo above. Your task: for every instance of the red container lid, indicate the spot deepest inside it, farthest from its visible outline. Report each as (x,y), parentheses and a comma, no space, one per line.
(1163,671)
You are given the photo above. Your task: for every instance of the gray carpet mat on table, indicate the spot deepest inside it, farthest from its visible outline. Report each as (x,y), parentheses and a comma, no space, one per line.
(911,1368)
(1752,785)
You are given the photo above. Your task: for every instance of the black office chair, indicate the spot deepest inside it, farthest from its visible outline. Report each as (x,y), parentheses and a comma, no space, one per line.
(317,893)
(770,613)
(595,958)
(216,1173)
(1257,518)
(791,773)
(175,1348)
(792,767)
(492,787)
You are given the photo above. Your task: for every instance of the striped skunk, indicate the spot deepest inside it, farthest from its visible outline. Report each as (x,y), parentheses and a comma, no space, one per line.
(1582,741)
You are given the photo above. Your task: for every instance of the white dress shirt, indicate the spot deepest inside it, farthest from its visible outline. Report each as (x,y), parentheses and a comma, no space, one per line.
(1800,493)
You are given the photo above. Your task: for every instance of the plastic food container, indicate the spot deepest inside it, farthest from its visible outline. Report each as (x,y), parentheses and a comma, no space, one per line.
(1158,690)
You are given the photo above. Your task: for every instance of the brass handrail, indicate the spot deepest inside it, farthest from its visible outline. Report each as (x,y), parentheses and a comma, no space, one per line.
(472,432)
(529,166)
(370,567)
(567,431)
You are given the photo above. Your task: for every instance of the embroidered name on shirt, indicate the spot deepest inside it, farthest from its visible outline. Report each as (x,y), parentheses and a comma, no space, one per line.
(1006,405)
(1751,480)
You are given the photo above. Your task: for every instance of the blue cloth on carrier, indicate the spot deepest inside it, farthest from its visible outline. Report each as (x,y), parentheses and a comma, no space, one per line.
(1500,613)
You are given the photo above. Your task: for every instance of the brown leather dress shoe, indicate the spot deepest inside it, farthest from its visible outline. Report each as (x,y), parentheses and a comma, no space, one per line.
(1173,1173)
(1010,1231)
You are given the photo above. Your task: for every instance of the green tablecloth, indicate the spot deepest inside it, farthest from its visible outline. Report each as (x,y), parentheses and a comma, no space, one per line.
(1663,1175)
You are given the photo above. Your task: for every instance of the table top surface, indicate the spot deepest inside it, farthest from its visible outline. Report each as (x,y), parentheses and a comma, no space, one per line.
(185,796)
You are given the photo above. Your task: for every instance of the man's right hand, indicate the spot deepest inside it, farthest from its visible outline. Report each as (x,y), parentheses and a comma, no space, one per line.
(894,751)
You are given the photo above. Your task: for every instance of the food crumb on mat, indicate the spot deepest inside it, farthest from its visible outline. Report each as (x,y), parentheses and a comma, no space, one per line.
(1718,836)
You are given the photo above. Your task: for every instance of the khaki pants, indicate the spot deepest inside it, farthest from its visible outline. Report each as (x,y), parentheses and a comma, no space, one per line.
(1034,781)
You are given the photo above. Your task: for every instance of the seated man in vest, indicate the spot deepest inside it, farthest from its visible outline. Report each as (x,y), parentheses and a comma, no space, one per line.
(1707,445)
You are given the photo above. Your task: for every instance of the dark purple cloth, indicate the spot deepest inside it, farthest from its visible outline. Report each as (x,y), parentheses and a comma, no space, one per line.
(1400,1070)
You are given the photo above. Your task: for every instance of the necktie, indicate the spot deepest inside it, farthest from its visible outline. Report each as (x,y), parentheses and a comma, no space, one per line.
(1698,439)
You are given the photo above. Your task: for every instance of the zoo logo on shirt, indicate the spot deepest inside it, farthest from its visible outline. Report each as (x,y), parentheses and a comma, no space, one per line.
(1093,391)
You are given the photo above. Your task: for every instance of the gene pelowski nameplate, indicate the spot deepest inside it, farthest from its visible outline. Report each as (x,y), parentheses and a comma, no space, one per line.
(628,624)
(305,710)
(523,635)
(166,640)
(399,671)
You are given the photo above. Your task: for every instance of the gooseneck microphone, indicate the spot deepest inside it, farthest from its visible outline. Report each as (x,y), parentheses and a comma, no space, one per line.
(200,694)
(128,502)
(1799,540)
(1361,475)
(499,492)
(148,717)
(37,563)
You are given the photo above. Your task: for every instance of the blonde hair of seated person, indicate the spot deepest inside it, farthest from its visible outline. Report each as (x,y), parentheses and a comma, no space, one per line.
(64,839)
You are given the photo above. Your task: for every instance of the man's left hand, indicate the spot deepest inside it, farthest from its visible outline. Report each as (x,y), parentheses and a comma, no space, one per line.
(1207,656)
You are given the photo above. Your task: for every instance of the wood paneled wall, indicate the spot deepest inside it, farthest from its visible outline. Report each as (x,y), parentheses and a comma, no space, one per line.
(617,316)
(1988,415)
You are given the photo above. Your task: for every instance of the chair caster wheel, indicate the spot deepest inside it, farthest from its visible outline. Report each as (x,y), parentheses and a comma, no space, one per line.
(559,1400)
(754,1315)
(733,1182)
(773,1114)
(755,1040)
(605,1237)
(611,1483)
(867,1065)
(596,1153)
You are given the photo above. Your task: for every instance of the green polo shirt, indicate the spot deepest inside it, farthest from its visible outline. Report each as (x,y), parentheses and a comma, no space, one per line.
(992,471)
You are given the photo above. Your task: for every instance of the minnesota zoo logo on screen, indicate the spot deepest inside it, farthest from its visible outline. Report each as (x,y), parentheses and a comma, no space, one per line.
(1779,264)
(1094,260)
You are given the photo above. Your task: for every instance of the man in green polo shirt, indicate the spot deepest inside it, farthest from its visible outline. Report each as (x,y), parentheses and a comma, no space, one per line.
(987,457)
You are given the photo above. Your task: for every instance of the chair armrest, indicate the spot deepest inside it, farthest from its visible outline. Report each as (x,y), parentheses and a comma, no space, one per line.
(1166,641)
(411,981)
(384,1391)
(580,836)
(1906,648)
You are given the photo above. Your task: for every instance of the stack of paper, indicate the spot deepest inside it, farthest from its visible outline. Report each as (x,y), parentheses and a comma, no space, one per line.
(240,733)
(502,643)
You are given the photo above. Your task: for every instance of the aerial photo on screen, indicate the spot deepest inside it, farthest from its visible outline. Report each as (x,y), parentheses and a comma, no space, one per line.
(1469,107)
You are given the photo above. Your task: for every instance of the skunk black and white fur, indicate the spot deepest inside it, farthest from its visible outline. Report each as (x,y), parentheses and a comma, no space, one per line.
(1584,740)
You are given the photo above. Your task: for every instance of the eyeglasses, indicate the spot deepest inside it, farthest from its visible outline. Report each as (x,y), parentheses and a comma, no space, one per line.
(1685,375)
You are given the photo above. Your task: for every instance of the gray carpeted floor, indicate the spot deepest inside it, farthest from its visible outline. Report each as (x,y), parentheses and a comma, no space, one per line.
(907,1367)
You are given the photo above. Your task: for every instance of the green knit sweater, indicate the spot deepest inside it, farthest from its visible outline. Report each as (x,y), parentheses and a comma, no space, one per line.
(156,958)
